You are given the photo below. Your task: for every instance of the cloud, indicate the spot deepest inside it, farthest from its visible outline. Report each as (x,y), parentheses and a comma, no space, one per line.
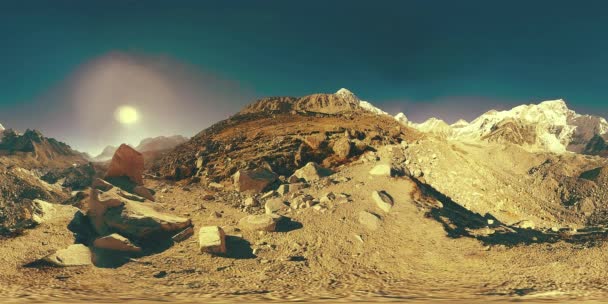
(170,97)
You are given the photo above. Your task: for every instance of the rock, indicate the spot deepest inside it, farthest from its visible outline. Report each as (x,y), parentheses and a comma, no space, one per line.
(251,202)
(262,222)
(342,148)
(283,189)
(275,205)
(255,180)
(127,162)
(525,224)
(310,172)
(268,194)
(315,141)
(115,242)
(212,239)
(144,192)
(74,255)
(81,227)
(183,235)
(216,186)
(101,184)
(160,274)
(369,220)
(381,170)
(383,200)
(41,211)
(115,211)
(199,163)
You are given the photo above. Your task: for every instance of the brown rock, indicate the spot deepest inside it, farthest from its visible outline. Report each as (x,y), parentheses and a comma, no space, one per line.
(315,141)
(115,242)
(144,192)
(262,222)
(255,180)
(342,148)
(127,162)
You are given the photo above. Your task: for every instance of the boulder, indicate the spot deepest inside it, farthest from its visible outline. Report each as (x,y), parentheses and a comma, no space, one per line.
(310,172)
(275,205)
(342,148)
(253,180)
(212,239)
(127,162)
(74,255)
(369,220)
(262,222)
(101,184)
(251,202)
(383,200)
(116,211)
(115,242)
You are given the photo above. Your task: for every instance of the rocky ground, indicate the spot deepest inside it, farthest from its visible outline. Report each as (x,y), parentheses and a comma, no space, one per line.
(341,243)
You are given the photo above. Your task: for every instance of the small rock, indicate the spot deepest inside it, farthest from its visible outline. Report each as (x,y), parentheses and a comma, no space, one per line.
(275,205)
(383,200)
(251,202)
(262,222)
(115,242)
(268,194)
(212,239)
(216,186)
(160,274)
(183,235)
(74,255)
(283,189)
(310,172)
(369,220)
(381,170)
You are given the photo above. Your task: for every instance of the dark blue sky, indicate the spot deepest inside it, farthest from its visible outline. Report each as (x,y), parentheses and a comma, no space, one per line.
(445,58)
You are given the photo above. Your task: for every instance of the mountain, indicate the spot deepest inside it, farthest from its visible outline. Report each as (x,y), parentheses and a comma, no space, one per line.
(32,149)
(106,154)
(547,126)
(160,143)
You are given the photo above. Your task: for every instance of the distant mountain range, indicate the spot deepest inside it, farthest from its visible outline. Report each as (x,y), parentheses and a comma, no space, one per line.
(146,146)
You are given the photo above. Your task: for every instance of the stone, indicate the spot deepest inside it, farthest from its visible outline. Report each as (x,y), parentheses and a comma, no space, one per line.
(212,239)
(253,180)
(310,172)
(315,141)
(283,189)
(525,224)
(381,170)
(369,220)
(115,242)
(101,184)
(116,211)
(342,148)
(262,222)
(275,205)
(268,194)
(251,202)
(144,192)
(74,255)
(199,163)
(383,200)
(216,186)
(127,162)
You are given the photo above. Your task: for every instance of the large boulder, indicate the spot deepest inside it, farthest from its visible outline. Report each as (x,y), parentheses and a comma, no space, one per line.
(74,255)
(127,162)
(256,180)
(212,239)
(310,172)
(121,212)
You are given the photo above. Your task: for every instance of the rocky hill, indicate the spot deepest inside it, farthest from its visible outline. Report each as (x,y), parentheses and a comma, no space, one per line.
(31,149)
(282,134)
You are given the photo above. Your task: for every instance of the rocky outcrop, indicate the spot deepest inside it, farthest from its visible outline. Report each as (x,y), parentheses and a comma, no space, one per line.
(127,162)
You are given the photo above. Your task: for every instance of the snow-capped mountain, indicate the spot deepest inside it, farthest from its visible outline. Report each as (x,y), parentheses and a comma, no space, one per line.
(549,126)
(1,131)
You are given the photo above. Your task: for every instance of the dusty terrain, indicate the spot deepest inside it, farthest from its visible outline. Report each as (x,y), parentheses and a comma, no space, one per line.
(321,255)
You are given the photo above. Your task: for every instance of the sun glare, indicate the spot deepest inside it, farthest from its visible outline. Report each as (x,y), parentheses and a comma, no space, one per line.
(126,115)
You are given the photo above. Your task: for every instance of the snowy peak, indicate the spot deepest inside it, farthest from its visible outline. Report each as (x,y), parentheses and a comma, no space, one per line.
(402,118)
(351,97)
(346,94)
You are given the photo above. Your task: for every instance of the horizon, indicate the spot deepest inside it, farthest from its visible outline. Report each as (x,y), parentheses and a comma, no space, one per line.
(70,65)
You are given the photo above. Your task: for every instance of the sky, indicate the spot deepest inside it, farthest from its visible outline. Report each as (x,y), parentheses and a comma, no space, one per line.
(66,66)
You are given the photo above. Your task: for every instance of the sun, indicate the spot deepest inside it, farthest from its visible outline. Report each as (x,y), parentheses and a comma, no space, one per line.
(126,115)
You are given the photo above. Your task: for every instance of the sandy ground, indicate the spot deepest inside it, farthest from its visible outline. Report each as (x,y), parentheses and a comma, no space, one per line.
(320,257)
